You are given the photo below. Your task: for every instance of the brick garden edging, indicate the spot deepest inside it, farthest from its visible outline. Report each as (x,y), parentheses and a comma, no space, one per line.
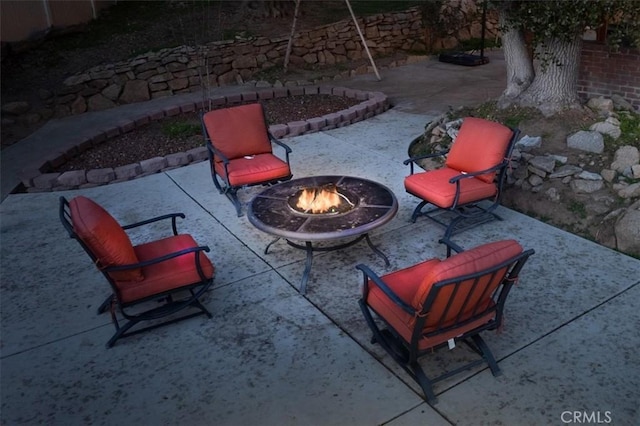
(41,179)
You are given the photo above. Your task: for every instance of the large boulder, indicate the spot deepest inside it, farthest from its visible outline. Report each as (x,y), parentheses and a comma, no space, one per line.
(586,141)
(627,230)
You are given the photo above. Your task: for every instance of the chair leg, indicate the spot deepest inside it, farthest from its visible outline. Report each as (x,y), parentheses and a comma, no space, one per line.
(232,195)
(486,354)
(214,176)
(105,305)
(424,382)
(417,211)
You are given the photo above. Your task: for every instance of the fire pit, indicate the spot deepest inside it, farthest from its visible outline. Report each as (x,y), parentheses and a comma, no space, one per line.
(323,208)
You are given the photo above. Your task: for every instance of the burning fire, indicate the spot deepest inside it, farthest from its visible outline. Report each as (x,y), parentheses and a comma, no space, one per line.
(319,200)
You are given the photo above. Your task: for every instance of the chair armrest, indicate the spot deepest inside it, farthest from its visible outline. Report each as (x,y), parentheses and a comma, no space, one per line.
(278,142)
(158,259)
(171,216)
(478,173)
(368,274)
(287,150)
(413,160)
(217,153)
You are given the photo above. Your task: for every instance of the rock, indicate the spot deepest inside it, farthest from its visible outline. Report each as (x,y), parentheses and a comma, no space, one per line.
(527,143)
(112,91)
(608,174)
(535,180)
(581,186)
(607,128)
(600,104)
(627,230)
(613,120)
(620,103)
(630,191)
(76,79)
(545,163)
(606,234)
(635,171)
(98,102)
(625,156)
(16,108)
(564,171)
(586,141)
(135,91)
(560,159)
(589,176)
(552,194)
(78,107)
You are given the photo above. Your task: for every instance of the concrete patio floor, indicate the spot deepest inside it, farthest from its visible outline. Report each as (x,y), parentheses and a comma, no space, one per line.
(272,356)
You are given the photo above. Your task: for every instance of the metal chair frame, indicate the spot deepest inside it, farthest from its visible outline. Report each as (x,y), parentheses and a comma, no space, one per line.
(223,185)
(470,214)
(170,305)
(407,354)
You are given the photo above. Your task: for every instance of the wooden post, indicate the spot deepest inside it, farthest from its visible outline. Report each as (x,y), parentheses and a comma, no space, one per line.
(364,43)
(293,31)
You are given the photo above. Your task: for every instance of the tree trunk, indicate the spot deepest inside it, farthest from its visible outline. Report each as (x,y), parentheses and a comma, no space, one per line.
(554,87)
(519,65)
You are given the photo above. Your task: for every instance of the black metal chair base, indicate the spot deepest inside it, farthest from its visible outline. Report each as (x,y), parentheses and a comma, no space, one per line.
(466,217)
(123,331)
(395,347)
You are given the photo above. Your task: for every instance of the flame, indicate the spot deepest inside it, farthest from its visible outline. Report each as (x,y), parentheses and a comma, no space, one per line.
(318,200)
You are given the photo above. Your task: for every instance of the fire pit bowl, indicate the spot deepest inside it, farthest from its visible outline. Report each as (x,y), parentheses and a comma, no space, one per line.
(363,206)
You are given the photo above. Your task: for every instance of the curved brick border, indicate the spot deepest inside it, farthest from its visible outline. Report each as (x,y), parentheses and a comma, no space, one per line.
(41,179)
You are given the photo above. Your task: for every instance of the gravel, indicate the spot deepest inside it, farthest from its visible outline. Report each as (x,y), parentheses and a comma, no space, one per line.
(183,132)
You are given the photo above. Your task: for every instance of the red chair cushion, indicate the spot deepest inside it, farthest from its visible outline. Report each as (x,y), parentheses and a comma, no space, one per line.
(413,285)
(467,262)
(480,145)
(168,275)
(434,187)
(238,131)
(404,283)
(257,169)
(104,237)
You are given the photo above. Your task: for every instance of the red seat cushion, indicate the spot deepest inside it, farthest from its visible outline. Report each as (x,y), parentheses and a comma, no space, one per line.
(104,237)
(168,275)
(413,285)
(238,131)
(434,187)
(480,145)
(256,169)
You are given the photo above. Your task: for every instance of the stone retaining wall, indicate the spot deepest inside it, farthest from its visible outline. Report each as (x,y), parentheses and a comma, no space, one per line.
(189,69)
(42,179)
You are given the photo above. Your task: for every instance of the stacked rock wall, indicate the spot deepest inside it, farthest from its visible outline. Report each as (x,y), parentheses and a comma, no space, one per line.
(185,69)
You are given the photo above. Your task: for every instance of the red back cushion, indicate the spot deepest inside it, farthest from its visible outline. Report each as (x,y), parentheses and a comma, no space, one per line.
(104,236)
(467,262)
(238,131)
(480,144)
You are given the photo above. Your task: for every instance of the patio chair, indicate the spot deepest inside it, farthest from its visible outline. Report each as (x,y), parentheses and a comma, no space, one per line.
(438,302)
(474,171)
(150,281)
(240,150)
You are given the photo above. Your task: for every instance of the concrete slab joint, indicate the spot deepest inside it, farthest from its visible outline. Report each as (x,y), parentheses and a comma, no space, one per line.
(40,176)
